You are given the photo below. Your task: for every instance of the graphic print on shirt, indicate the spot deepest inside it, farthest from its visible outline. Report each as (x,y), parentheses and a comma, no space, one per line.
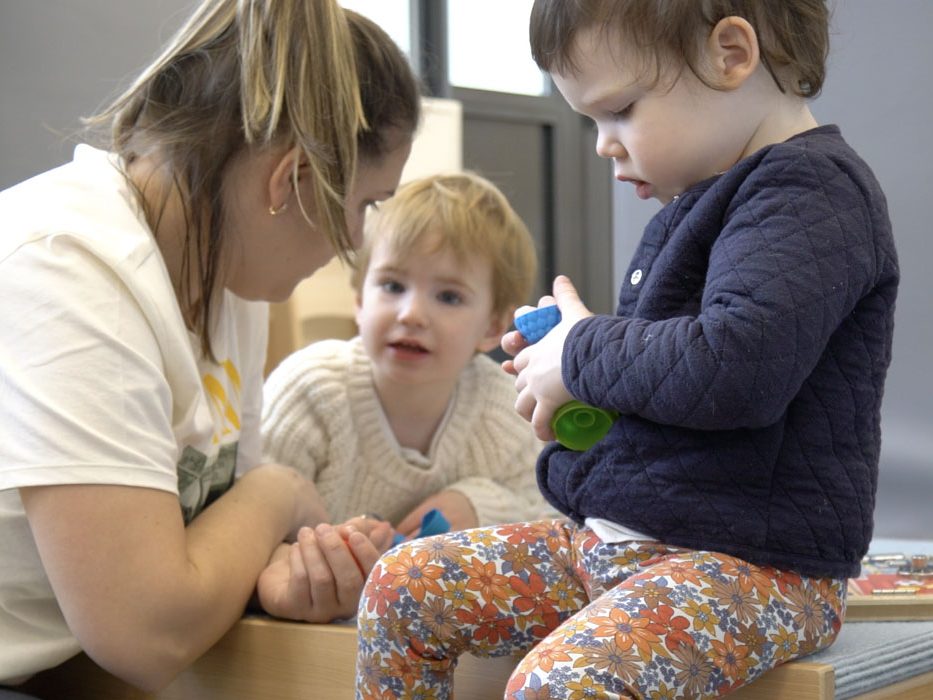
(202,477)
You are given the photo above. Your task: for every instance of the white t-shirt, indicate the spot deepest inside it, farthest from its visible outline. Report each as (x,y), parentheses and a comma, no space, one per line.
(100,380)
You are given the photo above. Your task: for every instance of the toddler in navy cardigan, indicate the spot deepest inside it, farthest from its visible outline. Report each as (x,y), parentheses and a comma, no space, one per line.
(710,533)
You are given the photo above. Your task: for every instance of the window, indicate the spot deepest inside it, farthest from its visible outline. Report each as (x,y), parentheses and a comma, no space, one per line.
(394,16)
(488,47)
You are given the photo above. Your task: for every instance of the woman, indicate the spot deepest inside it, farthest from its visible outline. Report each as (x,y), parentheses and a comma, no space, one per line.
(132,343)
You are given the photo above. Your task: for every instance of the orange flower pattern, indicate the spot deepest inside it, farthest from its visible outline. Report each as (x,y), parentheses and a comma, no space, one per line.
(593,619)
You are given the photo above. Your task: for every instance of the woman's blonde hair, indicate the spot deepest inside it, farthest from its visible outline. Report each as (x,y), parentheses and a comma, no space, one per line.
(463,213)
(238,74)
(389,91)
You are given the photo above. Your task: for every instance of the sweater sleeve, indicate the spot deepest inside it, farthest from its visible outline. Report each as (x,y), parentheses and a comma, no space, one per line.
(792,259)
(498,473)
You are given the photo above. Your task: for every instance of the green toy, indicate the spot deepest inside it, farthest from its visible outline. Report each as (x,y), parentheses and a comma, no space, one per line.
(576,425)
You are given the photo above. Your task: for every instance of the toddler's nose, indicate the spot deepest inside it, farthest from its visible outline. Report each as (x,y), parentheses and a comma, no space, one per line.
(412,311)
(608,146)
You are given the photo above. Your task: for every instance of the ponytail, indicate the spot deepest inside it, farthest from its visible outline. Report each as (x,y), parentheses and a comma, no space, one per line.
(244,73)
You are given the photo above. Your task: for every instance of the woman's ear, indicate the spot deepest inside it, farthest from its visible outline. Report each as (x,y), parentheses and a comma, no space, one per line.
(498,325)
(282,179)
(733,52)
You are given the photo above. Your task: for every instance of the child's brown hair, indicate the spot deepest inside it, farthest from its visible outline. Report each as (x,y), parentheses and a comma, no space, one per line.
(793,35)
(465,214)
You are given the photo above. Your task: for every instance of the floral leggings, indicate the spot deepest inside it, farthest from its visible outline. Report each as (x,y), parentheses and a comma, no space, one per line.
(626,620)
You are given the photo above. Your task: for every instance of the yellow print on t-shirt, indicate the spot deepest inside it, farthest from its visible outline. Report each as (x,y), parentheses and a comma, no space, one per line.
(224,405)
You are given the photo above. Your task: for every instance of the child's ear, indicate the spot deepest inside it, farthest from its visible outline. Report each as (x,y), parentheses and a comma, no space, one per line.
(498,324)
(281,181)
(733,52)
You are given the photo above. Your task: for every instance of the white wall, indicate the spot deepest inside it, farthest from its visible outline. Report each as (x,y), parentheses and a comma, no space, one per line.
(880,92)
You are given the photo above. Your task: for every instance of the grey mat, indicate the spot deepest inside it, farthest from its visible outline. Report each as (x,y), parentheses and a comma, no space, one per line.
(870,655)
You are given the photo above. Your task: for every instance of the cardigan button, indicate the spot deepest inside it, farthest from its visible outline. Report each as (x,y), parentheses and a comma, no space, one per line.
(636,277)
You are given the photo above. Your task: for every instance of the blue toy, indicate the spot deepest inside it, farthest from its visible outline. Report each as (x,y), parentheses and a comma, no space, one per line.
(576,425)
(433,523)
(535,324)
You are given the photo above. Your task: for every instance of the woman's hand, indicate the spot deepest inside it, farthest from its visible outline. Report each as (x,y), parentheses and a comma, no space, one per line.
(453,505)
(320,577)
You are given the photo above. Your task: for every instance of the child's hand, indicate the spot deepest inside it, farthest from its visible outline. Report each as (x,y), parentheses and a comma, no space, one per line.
(320,577)
(453,505)
(379,532)
(537,367)
(514,342)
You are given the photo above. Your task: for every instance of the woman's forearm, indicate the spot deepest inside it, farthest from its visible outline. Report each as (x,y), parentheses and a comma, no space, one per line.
(144,595)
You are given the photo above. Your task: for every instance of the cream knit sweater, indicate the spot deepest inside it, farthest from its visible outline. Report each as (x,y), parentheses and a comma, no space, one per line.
(322,416)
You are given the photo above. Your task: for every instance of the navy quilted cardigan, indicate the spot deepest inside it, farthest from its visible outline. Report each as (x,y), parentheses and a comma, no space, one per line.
(748,361)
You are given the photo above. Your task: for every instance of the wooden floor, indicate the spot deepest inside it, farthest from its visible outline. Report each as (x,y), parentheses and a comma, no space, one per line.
(262,659)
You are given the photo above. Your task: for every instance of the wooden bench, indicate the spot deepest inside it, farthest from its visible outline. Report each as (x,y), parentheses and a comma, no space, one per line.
(262,659)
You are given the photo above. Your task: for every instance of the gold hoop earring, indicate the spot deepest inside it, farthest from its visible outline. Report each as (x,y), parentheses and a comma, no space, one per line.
(276,211)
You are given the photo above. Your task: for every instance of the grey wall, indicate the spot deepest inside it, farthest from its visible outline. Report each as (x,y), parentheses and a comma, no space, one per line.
(879,91)
(59,61)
